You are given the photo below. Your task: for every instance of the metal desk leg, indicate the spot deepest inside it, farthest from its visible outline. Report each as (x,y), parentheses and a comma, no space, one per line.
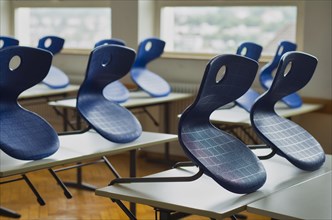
(8,213)
(132,173)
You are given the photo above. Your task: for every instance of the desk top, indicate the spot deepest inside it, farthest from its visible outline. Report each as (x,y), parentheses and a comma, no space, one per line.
(136,99)
(79,147)
(204,196)
(41,90)
(238,115)
(308,200)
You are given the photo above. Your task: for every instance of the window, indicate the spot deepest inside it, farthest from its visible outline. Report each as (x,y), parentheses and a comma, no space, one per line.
(221,29)
(81,27)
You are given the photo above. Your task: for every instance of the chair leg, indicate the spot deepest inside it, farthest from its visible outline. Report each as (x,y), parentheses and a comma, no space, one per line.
(8,213)
(39,198)
(62,185)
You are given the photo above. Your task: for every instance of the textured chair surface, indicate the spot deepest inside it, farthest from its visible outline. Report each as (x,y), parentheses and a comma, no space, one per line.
(289,139)
(24,135)
(221,156)
(107,64)
(115,91)
(55,78)
(266,75)
(7,41)
(252,51)
(150,82)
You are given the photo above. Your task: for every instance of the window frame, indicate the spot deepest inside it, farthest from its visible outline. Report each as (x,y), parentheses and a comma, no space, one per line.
(15,4)
(183,3)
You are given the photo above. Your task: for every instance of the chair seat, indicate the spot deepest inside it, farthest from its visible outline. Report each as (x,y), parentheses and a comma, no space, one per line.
(120,125)
(116,91)
(56,78)
(247,100)
(224,158)
(32,131)
(292,141)
(150,82)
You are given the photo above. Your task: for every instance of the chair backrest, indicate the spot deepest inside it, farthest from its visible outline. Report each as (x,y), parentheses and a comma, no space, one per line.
(286,137)
(107,64)
(110,41)
(54,44)
(55,78)
(115,91)
(266,75)
(220,155)
(150,82)
(7,41)
(24,135)
(252,51)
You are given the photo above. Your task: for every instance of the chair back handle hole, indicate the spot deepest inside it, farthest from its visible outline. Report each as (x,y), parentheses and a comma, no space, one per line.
(221,73)
(148,46)
(2,43)
(14,62)
(106,60)
(288,69)
(280,51)
(47,42)
(244,51)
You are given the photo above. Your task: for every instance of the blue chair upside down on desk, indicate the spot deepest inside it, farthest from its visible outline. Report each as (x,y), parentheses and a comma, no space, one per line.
(108,118)
(293,100)
(56,78)
(24,135)
(252,51)
(115,91)
(8,41)
(285,137)
(148,81)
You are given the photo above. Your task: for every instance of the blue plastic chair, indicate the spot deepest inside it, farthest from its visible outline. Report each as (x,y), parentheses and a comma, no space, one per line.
(110,41)
(114,91)
(150,82)
(220,155)
(7,41)
(284,136)
(24,135)
(56,78)
(107,64)
(252,51)
(266,75)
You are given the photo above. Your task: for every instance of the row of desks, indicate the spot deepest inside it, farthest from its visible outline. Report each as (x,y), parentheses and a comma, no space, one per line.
(288,193)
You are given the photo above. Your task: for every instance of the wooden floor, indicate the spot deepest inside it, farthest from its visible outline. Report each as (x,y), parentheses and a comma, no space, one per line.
(84,204)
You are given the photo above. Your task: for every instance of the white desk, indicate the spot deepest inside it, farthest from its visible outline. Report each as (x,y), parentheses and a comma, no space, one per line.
(238,115)
(43,91)
(204,196)
(307,200)
(136,100)
(77,148)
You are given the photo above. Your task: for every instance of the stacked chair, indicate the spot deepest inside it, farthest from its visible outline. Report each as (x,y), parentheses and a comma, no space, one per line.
(114,91)
(284,136)
(24,135)
(150,82)
(266,75)
(56,78)
(7,41)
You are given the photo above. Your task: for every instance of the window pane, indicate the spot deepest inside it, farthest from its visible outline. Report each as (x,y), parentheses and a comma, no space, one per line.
(80,27)
(222,29)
